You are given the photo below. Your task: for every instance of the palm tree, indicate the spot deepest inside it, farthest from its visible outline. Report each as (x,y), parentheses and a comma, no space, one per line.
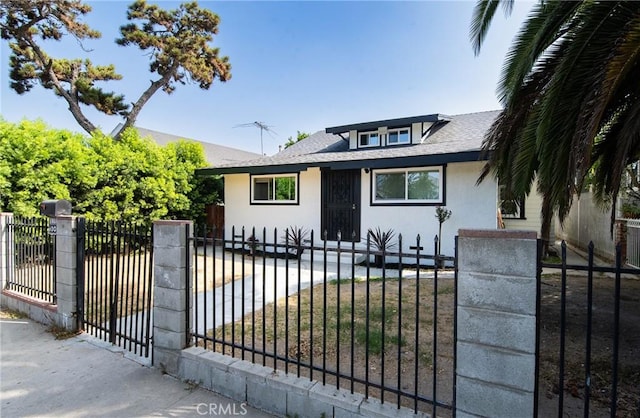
(570,88)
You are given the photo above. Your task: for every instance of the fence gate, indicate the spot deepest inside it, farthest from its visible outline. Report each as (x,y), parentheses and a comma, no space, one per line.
(115,282)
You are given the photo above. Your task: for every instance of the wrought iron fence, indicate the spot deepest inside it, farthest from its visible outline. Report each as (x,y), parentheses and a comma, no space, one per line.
(115,282)
(378,321)
(589,344)
(633,242)
(31,258)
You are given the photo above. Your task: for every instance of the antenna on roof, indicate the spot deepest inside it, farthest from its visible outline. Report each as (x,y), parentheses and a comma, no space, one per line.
(263,127)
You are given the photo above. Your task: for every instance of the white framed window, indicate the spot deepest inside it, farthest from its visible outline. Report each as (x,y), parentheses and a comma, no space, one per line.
(408,186)
(368,139)
(399,136)
(274,189)
(510,207)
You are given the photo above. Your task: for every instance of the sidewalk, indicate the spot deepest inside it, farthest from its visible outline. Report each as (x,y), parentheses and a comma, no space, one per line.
(84,377)
(575,257)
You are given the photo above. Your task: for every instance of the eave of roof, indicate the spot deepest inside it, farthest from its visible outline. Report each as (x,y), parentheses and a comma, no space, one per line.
(409,161)
(367,126)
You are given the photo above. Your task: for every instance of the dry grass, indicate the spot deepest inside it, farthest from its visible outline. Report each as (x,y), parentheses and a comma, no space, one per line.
(11,314)
(126,277)
(61,333)
(212,272)
(306,341)
(324,337)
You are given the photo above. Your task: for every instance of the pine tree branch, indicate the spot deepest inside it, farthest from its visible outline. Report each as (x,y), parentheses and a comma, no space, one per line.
(145,96)
(74,106)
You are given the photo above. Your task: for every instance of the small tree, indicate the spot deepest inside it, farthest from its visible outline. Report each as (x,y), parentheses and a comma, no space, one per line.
(299,137)
(132,179)
(442,214)
(382,240)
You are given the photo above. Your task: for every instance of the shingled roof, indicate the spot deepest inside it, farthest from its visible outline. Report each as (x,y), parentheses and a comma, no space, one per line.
(454,139)
(216,155)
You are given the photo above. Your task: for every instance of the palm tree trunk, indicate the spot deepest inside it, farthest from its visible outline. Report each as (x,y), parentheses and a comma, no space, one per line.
(545,228)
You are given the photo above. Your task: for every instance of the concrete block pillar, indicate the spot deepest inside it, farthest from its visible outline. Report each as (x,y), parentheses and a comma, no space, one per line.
(66,273)
(6,249)
(496,334)
(172,306)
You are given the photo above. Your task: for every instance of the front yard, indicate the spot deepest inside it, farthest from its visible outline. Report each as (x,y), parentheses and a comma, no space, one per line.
(404,331)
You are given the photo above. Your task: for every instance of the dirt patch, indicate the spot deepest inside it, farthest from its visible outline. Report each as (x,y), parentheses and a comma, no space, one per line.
(602,345)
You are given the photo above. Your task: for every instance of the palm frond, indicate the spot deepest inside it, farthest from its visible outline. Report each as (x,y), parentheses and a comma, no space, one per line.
(481,19)
(545,25)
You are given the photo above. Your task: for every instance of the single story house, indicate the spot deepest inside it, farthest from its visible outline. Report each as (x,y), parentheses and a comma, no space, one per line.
(387,174)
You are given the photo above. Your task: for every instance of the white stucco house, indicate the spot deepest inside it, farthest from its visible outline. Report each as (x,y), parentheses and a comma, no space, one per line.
(387,174)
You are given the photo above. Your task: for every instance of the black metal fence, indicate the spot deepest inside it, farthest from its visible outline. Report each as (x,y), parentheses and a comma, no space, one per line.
(115,282)
(377,321)
(589,345)
(31,258)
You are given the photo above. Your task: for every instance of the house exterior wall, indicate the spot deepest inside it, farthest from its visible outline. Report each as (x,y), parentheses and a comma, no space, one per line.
(533,218)
(472,207)
(239,212)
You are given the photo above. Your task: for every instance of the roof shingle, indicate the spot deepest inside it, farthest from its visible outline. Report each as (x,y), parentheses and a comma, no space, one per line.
(462,134)
(216,155)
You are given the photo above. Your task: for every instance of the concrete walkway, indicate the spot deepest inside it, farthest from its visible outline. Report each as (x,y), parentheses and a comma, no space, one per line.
(277,281)
(84,377)
(575,257)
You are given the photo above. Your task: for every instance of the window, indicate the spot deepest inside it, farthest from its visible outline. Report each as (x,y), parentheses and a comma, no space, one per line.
(510,207)
(399,136)
(409,186)
(275,189)
(369,139)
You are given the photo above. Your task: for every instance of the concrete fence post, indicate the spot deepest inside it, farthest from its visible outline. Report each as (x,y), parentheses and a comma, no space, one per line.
(172,306)
(496,333)
(6,248)
(66,272)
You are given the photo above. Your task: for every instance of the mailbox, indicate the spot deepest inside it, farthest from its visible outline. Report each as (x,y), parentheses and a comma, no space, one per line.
(53,208)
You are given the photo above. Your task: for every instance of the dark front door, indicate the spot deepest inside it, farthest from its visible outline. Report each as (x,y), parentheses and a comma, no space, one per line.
(341,204)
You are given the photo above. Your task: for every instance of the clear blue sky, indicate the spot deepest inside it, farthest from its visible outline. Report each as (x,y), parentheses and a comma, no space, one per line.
(298,66)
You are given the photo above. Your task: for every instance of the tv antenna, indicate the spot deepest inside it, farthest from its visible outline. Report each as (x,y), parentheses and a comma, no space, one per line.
(263,127)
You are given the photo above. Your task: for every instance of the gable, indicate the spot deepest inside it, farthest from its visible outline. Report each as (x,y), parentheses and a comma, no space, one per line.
(389,132)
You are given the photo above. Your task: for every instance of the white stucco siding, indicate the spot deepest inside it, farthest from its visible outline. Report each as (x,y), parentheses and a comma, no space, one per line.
(472,207)
(240,212)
